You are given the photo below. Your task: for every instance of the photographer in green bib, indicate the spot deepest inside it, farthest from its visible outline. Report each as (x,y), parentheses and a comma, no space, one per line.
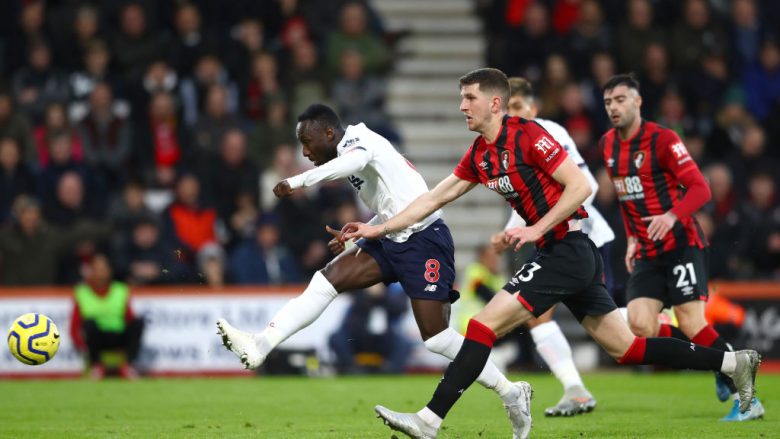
(103,320)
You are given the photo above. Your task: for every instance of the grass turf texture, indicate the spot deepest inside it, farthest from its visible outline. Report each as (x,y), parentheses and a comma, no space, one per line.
(630,406)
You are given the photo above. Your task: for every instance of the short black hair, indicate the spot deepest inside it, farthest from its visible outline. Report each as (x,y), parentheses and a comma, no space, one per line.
(489,79)
(627,79)
(521,87)
(321,114)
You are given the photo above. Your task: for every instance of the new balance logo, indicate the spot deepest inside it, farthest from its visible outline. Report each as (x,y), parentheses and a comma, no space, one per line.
(431,288)
(693,347)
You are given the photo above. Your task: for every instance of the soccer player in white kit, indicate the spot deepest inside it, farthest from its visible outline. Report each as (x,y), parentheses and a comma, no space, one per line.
(420,257)
(550,342)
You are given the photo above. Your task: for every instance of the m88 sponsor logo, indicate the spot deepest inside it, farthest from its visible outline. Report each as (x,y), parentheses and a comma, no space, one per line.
(629,188)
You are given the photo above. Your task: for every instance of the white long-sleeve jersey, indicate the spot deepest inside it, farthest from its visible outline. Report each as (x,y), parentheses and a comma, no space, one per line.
(595,226)
(383,178)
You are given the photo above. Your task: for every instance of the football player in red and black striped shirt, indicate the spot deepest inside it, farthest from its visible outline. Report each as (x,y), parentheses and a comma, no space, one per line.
(659,187)
(520,161)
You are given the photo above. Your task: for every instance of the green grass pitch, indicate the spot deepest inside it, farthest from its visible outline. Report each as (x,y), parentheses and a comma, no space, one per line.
(630,406)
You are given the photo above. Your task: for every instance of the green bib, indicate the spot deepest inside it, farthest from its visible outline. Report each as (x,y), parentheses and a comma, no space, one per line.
(469,303)
(107,311)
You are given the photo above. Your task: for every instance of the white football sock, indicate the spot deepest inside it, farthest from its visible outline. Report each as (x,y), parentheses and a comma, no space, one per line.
(554,349)
(297,314)
(430,417)
(729,363)
(449,342)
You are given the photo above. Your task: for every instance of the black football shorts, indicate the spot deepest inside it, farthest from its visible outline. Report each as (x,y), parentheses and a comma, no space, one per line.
(570,271)
(674,277)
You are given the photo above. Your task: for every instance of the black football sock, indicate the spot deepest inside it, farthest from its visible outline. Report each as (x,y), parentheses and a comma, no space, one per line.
(671,331)
(709,337)
(673,353)
(464,369)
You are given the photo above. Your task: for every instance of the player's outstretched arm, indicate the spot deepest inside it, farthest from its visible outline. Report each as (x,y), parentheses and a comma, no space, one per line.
(449,189)
(342,166)
(575,190)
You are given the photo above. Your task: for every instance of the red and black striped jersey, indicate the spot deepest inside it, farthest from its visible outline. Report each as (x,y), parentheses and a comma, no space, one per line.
(645,170)
(519,167)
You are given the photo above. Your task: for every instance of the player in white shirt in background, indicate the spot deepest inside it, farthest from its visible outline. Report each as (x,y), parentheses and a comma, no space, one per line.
(550,342)
(420,257)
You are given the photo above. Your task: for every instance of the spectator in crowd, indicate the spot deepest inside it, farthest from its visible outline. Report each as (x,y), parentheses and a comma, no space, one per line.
(61,161)
(589,36)
(158,78)
(556,76)
(16,177)
(146,258)
(745,33)
(284,164)
(95,70)
(30,249)
(673,114)
(761,216)
(656,76)
(72,202)
(196,90)
(247,38)
(106,135)
(135,45)
(762,82)
(360,97)
(103,319)
(232,173)
(213,124)
(190,227)
(39,83)
(696,32)
(305,77)
(262,259)
(125,211)
(370,337)
(529,59)
(163,142)
(270,134)
(602,67)
(74,47)
(56,123)
(706,86)
(190,40)
(24,33)
(15,125)
(727,243)
(353,34)
(635,34)
(730,123)
(750,157)
(261,86)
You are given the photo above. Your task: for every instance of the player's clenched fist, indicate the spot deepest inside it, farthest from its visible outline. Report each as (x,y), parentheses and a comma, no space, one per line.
(282,189)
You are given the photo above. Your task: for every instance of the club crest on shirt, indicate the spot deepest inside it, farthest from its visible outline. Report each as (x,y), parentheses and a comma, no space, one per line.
(505,160)
(639,159)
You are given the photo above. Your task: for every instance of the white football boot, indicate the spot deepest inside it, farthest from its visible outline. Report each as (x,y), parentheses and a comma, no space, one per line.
(519,411)
(409,423)
(241,343)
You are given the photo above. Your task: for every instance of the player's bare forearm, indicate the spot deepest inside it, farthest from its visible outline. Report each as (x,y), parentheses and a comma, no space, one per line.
(575,190)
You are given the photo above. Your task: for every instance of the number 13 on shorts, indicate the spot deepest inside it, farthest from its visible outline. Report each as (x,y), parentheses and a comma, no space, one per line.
(526,272)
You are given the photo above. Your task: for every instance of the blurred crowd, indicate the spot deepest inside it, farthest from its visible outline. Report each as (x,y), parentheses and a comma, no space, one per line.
(710,70)
(154,131)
